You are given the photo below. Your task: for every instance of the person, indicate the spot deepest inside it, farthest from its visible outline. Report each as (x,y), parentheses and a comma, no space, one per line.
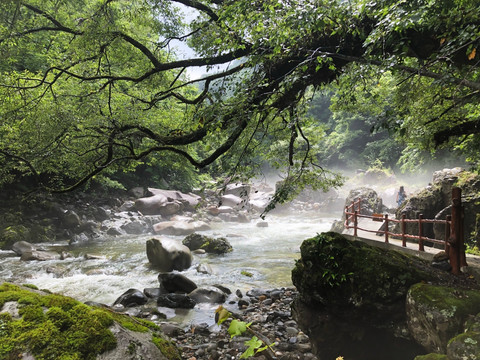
(401,196)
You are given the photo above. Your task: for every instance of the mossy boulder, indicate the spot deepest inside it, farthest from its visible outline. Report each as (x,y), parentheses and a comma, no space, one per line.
(49,326)
(338,273)
(210,245)
(438,313)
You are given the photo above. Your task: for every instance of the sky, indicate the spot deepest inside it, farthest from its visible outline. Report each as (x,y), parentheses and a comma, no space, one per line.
(185,52)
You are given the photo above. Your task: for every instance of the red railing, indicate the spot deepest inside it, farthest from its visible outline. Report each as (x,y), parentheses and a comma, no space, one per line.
(352,216)
(453,242)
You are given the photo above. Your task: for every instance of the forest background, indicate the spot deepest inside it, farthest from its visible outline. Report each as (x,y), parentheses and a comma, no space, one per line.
(93,92)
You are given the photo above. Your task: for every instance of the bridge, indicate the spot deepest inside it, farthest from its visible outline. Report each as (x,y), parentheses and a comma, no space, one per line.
(374,229)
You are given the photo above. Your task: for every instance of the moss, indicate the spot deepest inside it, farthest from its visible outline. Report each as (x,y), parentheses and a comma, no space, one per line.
(167,348)
(333,270)
(465,346)
(53,327)
(134,324)
(246,273)
(30,286)
(452,302)
(432,356)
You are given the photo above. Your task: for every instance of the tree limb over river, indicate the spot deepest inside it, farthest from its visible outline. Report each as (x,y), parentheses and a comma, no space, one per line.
(90,87)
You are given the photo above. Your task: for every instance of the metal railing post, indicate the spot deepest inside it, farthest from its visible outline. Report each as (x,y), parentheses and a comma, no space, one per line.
(404,239)
(355,223)
(454,240)
(420,233)
(347,217)
(386,228)
(448,219)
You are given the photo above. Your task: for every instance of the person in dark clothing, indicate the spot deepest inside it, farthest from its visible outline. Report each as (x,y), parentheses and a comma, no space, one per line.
(401,196)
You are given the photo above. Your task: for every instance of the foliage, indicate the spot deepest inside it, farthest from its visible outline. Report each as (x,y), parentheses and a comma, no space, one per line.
(92,85)
(237,327)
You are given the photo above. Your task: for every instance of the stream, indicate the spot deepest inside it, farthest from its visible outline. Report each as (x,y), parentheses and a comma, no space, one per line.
(266,254)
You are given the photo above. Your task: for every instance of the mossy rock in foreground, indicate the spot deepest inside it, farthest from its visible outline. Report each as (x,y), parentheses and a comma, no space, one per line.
(52,326)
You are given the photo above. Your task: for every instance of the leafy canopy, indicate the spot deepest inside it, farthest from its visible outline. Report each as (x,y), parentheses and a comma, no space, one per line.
(92,85)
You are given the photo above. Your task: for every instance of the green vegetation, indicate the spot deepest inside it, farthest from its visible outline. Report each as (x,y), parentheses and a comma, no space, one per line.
(52,326)
(92,92)
(237,327)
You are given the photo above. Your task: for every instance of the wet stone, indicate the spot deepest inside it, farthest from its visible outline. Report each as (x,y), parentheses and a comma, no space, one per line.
(272,321)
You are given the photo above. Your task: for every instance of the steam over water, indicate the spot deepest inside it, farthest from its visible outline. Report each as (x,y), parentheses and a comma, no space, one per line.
(268,253)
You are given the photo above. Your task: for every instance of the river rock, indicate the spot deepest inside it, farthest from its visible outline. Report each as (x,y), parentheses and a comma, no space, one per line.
(216,210)
(151,205)
(238,189)
(131,297)
(175,301)
(40,255)
(70,219)
(21,247)
(204,269)
(210,245)
(173,282)
(233,201)
(466,344)
(209,294)
(174,228)
(137,192)
(190,200)
(135,227)
(168,255)
(437,313)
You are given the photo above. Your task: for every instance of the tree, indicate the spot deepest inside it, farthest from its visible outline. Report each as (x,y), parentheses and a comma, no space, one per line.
(91,84)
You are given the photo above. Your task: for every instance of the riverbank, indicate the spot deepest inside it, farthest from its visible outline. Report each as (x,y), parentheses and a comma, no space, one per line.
(268,311)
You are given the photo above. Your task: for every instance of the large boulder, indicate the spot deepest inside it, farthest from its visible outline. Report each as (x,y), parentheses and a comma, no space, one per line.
(210,245)
(238,189)
(174,228)
(350,292)
(158,205)
(51,326)
(21,247)
(436,314)
(341,273)
(190,201)
(466,344)
(168,255)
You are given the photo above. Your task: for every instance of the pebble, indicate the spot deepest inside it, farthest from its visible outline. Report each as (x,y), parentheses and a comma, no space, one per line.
(270,315)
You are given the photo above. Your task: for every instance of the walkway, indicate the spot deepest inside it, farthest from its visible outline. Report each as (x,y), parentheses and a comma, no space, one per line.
(371,238)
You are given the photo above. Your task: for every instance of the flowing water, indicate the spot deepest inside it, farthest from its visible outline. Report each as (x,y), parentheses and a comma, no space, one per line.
(268,254)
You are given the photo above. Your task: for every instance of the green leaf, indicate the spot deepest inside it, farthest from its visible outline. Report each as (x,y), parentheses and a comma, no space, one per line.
(237,328)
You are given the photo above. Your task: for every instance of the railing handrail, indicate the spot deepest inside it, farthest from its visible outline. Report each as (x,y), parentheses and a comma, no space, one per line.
(352,215)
